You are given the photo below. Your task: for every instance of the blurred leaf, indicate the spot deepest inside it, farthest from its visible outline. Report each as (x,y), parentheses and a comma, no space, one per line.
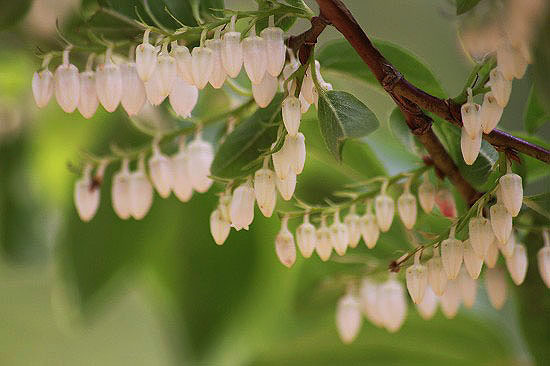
(401,131)
(342,116)
(542,64)
(13,11)
(341,57)
(539,203)
(534,114)
(246,143)
(463,6)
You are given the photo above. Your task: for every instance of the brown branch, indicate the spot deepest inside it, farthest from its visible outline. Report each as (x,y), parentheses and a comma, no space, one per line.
(303,43)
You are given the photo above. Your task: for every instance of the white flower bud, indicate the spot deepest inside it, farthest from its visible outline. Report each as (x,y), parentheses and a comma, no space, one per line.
(491,256)
(265,190)
(406,207)
(308,85)
(368,295)
(264,92)
(481,235)
(452,251)
(108,84)
(218,75)
(219,226)
(200,154)
(339,235)
(160,170)
(242,206)
(255,57)
(472,261)
(501,222)
(428,306)
(450,300)
(470,147)
(495,284)
(500,87)
(183,62)
(507,249)
(183,97)
(385,209)
(470,118)
(167,71)
(291,114)
(490,113)
(181,184)
(426,195)
(417,279)
(369,229)
(282,161)
(153,89)
(512,192)
(86,196)
(348,318)
(445,202)
(296,150)
(120,192)
(202,66)
(146,58)
(517,264)
(286,186)
(511,61)
(392,305)
(437,277)
(468,288)
(141,192)
(67,85)
(42,87)
(543,259)
(87,102)
(354,231)
(275,47)
(232,53)
(133,89)
(324,245)
(284,245)
(306,237)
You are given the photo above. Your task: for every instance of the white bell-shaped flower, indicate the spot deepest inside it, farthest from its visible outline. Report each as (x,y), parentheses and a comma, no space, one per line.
(406,207)
(452,252)
(470,116)
(543,259)
(385,210)
(308,85)
(511,61)
(141,192)
(496,286)
(324,245)
(417,279)
(120,192)
(87,102)
(201,155)
(133,89)
(468,288)
(351,220)
(184,97)
(275,46)
(369,228)
(501,222)
(242,206)
(470,147)
(232,51)
(255,56)
(265,91)
(512,192)
(265,190)
(284,245)
(500,87)
(286,186)
(153,90)
(219,226)
(167,70)
(42,87)
(428,306)
(304,105)
(491,256)
(339,235)
(426,194)
(282,161)
(218,75)
(296,150)
(481,235)
(490,113)
(146,58)
(450,300)
(437,277)
(86,195)
(517,264)
(291,114)
(202,66)
(183,62)
(368,298)
(67,85)
(507,249)
(108,82)
(306,237)
(348,318)
(161,171)
(446,202)
(181,185)
(391,304)
(472,261)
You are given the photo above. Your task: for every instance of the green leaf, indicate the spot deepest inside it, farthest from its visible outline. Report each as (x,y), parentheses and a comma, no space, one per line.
(539,203)
(12,12)
(282,21)
(542,64)
(341,58)
(401,132)
(342,116)
(463,6)
(534,114)
(245,144)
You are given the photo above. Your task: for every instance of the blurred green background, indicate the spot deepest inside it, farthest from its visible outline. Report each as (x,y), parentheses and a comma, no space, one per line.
(160,292)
